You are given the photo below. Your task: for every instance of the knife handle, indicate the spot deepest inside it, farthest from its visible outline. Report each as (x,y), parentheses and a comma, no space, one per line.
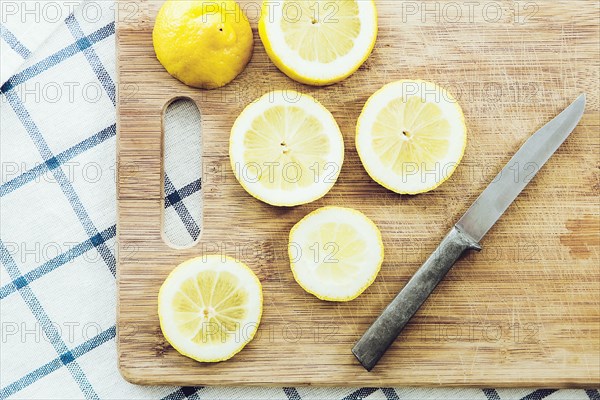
(386,328)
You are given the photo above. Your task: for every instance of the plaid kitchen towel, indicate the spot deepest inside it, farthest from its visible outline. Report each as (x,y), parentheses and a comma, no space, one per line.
(57,216)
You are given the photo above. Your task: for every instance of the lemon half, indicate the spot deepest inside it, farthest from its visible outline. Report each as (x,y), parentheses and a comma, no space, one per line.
(411,136)
(210,307)
(286,149)
(335,253)
(204,44)
(318,42)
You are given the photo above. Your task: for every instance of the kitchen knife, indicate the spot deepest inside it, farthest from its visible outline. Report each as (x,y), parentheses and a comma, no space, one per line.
(467,232)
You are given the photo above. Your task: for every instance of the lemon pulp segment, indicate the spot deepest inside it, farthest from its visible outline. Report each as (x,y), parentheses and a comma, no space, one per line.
(322,40)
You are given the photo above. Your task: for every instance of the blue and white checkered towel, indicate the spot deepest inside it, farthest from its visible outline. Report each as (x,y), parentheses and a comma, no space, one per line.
(57,216)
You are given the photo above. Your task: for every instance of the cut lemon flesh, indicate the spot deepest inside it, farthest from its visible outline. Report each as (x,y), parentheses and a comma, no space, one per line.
(286,149)
(210,307)
(335,253)
(318,42)
(411,136)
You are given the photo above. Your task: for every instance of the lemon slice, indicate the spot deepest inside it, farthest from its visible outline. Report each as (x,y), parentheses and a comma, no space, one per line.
(318,42)
(411,136)
(210,307)
(286,149)
(335,253)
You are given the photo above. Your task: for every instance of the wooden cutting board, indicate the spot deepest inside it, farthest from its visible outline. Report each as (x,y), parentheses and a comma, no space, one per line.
(523,312)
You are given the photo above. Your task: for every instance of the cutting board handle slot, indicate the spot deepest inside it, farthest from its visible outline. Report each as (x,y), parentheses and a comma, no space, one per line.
(182,196)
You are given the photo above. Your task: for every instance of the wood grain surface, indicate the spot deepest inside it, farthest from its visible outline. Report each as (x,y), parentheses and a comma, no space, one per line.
(523,312)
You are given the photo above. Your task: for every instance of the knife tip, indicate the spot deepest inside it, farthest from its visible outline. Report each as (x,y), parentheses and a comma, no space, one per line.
(577,106)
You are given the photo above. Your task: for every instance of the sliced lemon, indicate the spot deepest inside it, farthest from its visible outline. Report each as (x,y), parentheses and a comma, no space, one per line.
(411,136)
(286,149)
(210,307)
(335,253)
(318,42)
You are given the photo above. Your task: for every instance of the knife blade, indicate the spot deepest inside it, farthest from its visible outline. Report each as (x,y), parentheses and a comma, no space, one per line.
(519,171)
(467,232)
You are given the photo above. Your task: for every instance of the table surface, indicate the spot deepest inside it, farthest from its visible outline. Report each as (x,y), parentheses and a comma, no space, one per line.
(76,289)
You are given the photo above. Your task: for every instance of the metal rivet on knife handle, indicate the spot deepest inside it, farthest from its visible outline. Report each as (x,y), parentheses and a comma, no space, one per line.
(467,232)
(369,349)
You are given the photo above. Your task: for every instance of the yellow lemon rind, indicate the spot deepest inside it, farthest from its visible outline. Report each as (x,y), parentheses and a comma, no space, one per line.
(183,55)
